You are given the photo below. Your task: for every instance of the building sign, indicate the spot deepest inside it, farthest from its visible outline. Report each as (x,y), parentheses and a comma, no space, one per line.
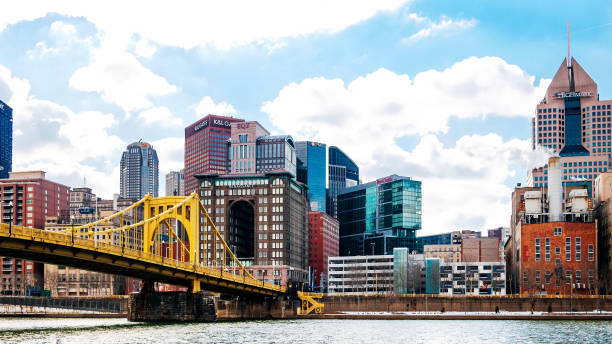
(215,122)
(384,180)
(562,95)
(243,125)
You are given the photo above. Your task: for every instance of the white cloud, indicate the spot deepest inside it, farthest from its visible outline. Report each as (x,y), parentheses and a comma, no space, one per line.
(207,106)
(121,79)
(444,25)
(144,48)
(223,24)
(159,115)
(68,145)
(59,27)
(368,116)
(170,152)
(41,50)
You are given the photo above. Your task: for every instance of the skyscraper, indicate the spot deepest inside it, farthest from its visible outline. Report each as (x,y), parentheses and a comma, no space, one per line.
(376,217)
(6,140)
(175,183)
(573,122)
(206,148)
(139,170)
(311,170)
(342,173)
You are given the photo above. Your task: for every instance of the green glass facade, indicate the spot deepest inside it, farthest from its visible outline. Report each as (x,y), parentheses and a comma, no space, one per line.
(379,216)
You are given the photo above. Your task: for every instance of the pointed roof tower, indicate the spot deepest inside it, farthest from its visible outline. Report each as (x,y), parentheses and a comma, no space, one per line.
(562,83)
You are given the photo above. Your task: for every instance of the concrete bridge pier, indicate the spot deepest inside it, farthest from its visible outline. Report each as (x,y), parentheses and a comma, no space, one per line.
(152,306)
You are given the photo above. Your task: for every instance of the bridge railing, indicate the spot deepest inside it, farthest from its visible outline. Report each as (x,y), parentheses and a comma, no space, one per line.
(228,267)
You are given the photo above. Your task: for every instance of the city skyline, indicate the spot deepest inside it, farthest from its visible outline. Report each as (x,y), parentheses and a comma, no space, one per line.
(380,101)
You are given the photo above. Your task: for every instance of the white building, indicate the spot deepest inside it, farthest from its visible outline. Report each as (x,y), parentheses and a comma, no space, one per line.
(473,278)
(360,274)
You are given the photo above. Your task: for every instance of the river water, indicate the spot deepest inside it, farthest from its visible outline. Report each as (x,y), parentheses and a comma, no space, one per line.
(67,331)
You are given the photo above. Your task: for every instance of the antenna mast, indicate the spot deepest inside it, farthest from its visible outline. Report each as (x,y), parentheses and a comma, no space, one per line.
(569,57)
(570,68)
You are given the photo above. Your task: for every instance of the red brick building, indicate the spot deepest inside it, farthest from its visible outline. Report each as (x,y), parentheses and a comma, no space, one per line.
(206,148)
(27,198)
(557,256)
(323,236)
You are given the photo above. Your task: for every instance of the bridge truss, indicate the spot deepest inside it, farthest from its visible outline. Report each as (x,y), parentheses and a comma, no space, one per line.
(166,239)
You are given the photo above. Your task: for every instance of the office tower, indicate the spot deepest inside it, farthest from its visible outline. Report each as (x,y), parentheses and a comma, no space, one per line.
(312,171)
(175,183)
(206,148)
(6,140)
(378,216)
(139,170)
(342,173)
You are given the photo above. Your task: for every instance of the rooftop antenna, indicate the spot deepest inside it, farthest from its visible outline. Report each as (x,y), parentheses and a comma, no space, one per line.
(570,68)
(569,57)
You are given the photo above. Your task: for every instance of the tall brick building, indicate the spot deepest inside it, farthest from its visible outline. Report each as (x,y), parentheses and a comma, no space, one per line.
(264,220)
(323,243)
(27,198)
(553,246)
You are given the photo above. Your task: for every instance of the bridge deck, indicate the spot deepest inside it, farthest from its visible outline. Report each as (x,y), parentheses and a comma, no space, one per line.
(63,249)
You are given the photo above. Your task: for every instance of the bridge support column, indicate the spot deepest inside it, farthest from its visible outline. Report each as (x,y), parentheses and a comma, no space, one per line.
(195,287)
(171,307)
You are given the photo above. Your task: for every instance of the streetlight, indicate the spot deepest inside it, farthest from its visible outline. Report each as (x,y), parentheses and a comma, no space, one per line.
(10,217)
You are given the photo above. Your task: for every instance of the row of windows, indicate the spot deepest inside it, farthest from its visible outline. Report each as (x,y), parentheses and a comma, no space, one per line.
(568,277)
(568,249)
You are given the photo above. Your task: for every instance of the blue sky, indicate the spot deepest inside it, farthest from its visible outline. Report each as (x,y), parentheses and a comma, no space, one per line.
(438,90)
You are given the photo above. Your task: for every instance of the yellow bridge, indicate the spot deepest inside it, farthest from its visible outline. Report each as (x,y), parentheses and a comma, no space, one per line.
(167,239)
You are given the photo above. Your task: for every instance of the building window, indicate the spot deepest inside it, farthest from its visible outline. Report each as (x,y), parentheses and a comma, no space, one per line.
(568,249)
(578,249)
(537,249)
(537,278)
(578,276)
(591,277)
(558,231)
(591,252)
(525,277)
(558,250)
(547,277)
(547,249)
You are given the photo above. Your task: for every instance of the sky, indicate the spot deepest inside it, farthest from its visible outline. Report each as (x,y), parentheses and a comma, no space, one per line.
(440,91)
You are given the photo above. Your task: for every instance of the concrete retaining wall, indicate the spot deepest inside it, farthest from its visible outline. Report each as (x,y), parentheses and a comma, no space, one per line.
(420,303)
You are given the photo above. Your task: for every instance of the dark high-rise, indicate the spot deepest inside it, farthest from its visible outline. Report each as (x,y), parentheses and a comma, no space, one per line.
(311,170)
(139,170)
(378,216)
(6,140)
(342,173)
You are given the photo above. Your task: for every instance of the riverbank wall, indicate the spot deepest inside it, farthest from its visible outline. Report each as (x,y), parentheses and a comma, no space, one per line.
(334,304)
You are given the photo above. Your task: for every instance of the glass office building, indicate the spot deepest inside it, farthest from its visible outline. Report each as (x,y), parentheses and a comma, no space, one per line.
(6,140)
(342,173)
(379,216)
(311,170)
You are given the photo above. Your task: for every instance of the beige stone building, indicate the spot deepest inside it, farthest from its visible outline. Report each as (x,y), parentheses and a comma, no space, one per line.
(449,253)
